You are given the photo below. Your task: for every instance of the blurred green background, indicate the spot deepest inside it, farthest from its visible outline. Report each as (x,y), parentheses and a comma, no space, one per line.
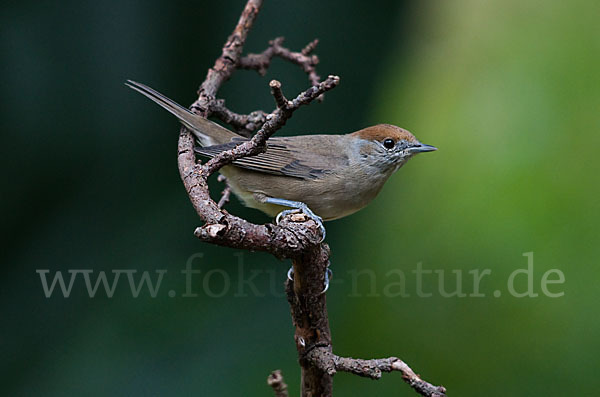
(508,90)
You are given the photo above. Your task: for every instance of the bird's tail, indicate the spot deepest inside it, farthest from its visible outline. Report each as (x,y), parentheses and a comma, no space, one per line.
(207,132)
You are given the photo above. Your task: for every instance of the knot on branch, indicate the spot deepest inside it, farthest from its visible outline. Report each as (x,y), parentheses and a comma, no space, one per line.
(306,231)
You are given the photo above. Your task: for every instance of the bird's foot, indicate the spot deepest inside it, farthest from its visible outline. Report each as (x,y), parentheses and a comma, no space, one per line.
(297,207)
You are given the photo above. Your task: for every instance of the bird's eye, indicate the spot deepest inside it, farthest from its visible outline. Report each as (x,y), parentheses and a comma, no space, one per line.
(389,143)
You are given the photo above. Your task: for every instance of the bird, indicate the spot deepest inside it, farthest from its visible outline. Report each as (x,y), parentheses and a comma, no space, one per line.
(326,177)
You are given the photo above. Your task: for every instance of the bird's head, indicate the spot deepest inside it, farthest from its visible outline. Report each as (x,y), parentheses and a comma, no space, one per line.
(387,146)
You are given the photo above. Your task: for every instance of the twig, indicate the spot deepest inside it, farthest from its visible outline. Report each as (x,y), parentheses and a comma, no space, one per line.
(331,363)
(275,121)
(225,193)
(261,62)
(280,99)
(245,125)
(275,380)
(415,381)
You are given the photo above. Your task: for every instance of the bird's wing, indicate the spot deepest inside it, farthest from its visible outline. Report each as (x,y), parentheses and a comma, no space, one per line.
(289,156)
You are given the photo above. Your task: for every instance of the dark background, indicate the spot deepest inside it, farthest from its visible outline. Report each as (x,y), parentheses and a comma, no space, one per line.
(510,93)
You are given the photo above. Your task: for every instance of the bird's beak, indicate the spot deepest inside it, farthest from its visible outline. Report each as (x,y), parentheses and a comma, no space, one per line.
(422,148)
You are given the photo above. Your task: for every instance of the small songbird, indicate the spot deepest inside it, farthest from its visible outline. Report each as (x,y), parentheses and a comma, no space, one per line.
(325,176)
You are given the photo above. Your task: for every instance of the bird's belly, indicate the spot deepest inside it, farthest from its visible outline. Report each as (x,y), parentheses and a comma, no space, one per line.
(330,199)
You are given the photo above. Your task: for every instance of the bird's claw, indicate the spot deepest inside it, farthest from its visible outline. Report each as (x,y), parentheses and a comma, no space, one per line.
(296,207)
(306,211)
(328,275)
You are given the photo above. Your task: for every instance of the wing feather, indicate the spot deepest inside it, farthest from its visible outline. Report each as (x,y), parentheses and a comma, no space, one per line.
(284,156)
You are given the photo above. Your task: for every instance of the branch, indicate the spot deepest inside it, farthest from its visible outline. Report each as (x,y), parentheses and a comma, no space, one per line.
(275,380)
(261,62)
(225,193)
(286,240)
(245,125)
(331,363)
(275,121)
(297,238)
(225,229)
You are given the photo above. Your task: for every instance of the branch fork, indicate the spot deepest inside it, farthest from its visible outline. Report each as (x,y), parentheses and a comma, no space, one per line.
(261,62)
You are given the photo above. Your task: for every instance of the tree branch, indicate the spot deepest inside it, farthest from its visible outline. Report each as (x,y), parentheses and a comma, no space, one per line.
(225,193)
(296,237)
(245,125)
(261,62)
(331,363)
(275,121)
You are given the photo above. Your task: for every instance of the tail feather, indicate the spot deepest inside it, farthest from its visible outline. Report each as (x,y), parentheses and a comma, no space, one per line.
(207,132)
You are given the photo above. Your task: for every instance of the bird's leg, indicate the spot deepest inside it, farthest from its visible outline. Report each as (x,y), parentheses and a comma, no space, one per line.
(297,206)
